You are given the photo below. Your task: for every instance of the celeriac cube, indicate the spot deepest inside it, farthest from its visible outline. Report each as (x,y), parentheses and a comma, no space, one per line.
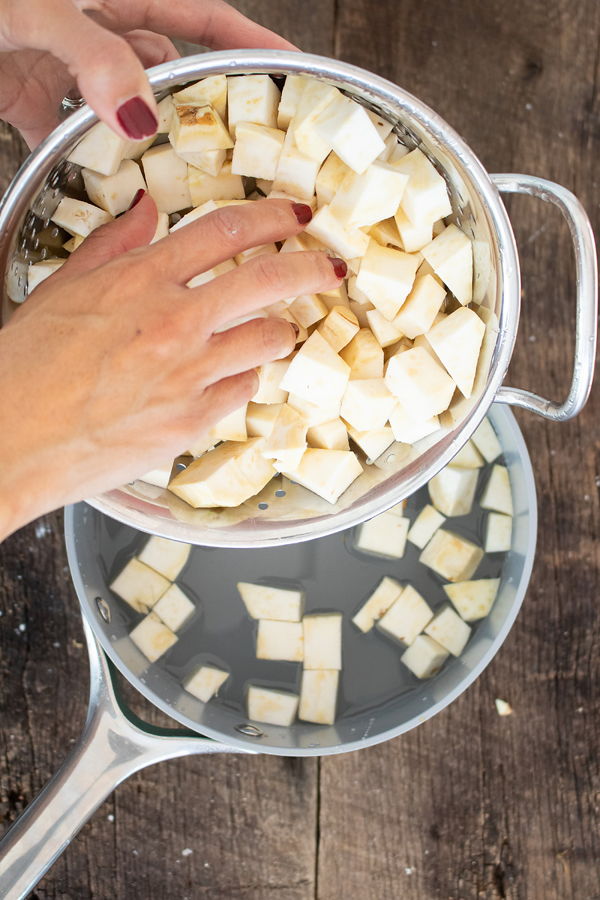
(252,98)
(413,236)
(78,217)
(385,535)
(231,427)
(486,441)
(270,375)
(372,443)
(386,332)
(318,696)
(209,275)
(426,195)
(331,175)
(253,252)
(330,435)
(211,91)
(224,186)
(451,556)
(498,533)
(468,457)
(367,404)
(317,374)
(39,271)
(158,477)
(364,355)
(348,242)
(280,640)
(356,294)
(299,242)
(395,150)
(386,276)
(337,296)
(450,255)
(327,472)
(339,327)
(386,592)
(139,585)
(260,418)
(135,149)
(452,491)
(407,616)
(210,162)
(363,200)
(264,602)
(421,306)
(497,494)
(308,309)
(197,213)
(425,525)
(287,440)
(382,126)
(314,413)
(114,193)
(409,430)
(264,186)
(152,637)
(70,246)
(167,178)
(196,129)
(227,476)
(174,608)
(422,386)
(257,150)
(165,114)
(360,310)
(165,556)
(296,173)
(457,341)
(473,599)
(290,96)
(323,641)
(425,657)
(100,150)
(162,227)
(313,103)
(271,707)
(385,233)
(449,630)
(205,682)
(346,128)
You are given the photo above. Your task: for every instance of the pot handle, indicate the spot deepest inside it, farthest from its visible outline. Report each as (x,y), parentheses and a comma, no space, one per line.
(586,299)
(113,745)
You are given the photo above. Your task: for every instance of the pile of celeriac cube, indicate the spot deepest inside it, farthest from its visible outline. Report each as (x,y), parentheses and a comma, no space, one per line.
(378,359)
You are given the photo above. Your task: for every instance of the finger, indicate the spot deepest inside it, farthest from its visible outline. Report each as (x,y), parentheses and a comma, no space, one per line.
(223,397)
(150,48)
(250,345)
(108,73)
(265,280)
(210,22)
(224,233)
(135,228)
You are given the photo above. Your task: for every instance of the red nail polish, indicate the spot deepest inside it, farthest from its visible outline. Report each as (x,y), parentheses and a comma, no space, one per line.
(303,213)
(136,199)
(137,119)
(339,266)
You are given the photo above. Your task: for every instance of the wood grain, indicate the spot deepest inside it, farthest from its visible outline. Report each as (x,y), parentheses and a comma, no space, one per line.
(469,805)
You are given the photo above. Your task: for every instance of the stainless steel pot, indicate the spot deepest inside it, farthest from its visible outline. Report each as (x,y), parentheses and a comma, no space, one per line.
(380,701)
(283,512)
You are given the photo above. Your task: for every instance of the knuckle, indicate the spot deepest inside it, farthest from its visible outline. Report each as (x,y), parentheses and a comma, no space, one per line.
(270,274)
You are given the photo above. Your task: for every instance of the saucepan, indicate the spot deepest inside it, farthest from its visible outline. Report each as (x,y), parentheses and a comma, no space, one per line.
(378,700)
(292,514)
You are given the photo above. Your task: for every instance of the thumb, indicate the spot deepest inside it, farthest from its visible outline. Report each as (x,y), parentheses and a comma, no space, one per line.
(135,228)
(108,73)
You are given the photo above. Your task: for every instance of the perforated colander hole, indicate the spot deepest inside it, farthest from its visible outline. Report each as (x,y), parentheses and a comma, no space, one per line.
(180,466)
(391,457)
(280,493)
(263,505)
(103,608)
(249,730)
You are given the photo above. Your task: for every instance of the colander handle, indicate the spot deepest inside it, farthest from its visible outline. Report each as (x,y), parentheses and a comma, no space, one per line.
(114,744)
(586,298)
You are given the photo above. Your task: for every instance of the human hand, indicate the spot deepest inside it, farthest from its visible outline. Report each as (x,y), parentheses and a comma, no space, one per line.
(113,365)
(49,46)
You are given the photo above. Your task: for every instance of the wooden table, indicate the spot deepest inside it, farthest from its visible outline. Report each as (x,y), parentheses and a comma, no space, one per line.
(470,804)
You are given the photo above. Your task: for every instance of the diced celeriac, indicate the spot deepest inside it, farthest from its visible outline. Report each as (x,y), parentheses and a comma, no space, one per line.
(362,200)
(252,98)
(386,276)
(323,641)
(317,374)
(330,435)
(165,556)
(413,236)
(227,476)
(210,162)
(70,246)
(468,457)
(210,91)
(497,494)
(372,443)
(271,707)
(331,175)
(296,173)
(452,491)
(450,255)
(167,178)
(280,640)
(347,242)
(79,217)
(198,129)
(327,473)
(367,404)
(473,599)
(114,193)
(318,696)
(253,252)
(307,309)
(338,327)
(100,149)
(287,441)
(290,96)
(204,277)
(345,127)
(385,535)
(257,150)
(165,114)
(205,682)
(451,556)
(162,227)
(498,533)
(426,195)
(387,333)
(313,104)
(174,608)
(313,413)
(224,186)
(386,592)
(420,308)
(139,585)
(260,418)
(422,386)
(386,232)
(39,271)
(193,215)
(265,602)
(152,637)
(449,630)
(425,657)
(364,355)
(486,441)
(407,616)
(457,341)
(425,525)
(409,430)
(269,379)
(231,427)
(158,477)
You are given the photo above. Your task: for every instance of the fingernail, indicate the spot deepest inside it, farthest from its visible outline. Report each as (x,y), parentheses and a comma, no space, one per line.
(303,213)
(339,266)
(296,328)
(137,119)
(136,199)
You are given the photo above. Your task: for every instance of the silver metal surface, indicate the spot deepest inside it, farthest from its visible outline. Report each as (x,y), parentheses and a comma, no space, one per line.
(274,518)
(112,746)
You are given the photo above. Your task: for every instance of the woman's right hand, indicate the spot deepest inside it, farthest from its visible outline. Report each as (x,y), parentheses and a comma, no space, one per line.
(113,366)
